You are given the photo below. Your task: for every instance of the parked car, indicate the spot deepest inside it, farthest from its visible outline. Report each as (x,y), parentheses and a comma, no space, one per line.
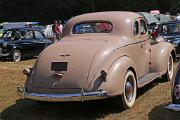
(11,25)
(170,31)
(176,87)
(48,31)
(151,19)
(20,42)
(100,55)
(1,30)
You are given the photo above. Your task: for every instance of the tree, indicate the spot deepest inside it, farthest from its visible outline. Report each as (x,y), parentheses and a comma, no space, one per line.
(46,11)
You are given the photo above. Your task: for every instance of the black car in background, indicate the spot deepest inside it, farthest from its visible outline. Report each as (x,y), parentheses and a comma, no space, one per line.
(170,31)
(176,87)
(21,42)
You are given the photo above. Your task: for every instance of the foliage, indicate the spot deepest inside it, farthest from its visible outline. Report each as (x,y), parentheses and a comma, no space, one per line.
(48,10)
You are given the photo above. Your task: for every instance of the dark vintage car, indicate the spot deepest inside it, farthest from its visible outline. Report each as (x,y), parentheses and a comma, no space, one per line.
(176,87)
(20,42)
(171,33)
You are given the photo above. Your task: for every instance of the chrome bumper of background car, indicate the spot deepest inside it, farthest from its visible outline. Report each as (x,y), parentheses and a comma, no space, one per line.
(1,53)
(175,107)
(4,55)
(62,97)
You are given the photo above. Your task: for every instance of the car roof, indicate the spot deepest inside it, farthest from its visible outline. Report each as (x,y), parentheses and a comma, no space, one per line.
(26,28)
(122,20)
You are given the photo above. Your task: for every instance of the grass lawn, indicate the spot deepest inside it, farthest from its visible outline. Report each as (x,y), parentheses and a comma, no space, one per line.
(149,104)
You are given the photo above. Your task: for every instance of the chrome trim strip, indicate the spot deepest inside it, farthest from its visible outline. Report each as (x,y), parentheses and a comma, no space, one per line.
(4,55)
(62,97)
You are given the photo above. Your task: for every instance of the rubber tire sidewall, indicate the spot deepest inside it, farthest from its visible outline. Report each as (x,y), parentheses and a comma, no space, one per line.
(166,76)
(12,57)
(125,103)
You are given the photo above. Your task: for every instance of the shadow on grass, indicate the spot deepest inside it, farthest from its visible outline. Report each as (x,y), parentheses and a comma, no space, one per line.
(28,109)
(149,86)
(160,113)
(31,110)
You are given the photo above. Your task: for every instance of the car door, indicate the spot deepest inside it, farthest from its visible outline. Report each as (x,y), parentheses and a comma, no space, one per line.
(145,45)
(27,43)
(40,41)
(142,45)
(31,44)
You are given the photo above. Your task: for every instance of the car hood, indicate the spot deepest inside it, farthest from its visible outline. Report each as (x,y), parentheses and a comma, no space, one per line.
(78,54)
(172,38)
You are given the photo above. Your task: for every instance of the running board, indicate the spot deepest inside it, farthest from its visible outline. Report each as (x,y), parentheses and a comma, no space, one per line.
(147,79)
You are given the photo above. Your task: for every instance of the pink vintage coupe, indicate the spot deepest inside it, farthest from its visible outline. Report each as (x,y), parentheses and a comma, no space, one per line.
(100,55)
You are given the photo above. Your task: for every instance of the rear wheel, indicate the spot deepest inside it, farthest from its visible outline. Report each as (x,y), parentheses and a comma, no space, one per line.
(129,91)
(16,56)
(168,76)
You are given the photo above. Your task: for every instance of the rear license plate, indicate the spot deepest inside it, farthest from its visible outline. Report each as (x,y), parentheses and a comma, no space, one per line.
(59,66)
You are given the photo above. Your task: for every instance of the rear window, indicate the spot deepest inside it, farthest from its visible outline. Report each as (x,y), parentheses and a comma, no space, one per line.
(92,27)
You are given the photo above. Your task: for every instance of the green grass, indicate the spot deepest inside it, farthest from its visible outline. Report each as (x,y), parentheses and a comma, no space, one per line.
(149,104)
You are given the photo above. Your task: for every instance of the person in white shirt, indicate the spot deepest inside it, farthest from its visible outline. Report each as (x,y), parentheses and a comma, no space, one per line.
(178,17)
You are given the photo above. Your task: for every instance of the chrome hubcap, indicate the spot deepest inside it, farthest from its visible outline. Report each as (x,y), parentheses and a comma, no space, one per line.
(129,89)
(17,56)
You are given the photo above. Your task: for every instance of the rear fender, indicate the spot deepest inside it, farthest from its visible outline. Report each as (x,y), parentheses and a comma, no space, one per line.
(113,83)
(159,57)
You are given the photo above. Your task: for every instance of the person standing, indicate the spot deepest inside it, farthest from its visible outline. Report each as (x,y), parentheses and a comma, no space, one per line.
(60,26)
(54,26)
(178,17)
(58,29)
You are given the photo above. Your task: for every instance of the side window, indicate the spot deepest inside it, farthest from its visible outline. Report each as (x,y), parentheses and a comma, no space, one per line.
(143,28)
(29,35)
(136,28)
(38,35)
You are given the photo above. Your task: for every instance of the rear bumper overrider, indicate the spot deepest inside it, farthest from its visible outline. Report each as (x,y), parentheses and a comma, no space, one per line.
(62,97)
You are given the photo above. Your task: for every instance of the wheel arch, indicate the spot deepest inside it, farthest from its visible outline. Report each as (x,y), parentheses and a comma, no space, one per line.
(17,48)
(159,57)
(116,74)
(133,70)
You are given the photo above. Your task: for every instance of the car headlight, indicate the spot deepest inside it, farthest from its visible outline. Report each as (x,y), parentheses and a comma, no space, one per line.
(5,45)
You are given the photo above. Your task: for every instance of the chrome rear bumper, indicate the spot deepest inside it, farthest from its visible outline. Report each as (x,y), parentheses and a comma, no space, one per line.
(61,97)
